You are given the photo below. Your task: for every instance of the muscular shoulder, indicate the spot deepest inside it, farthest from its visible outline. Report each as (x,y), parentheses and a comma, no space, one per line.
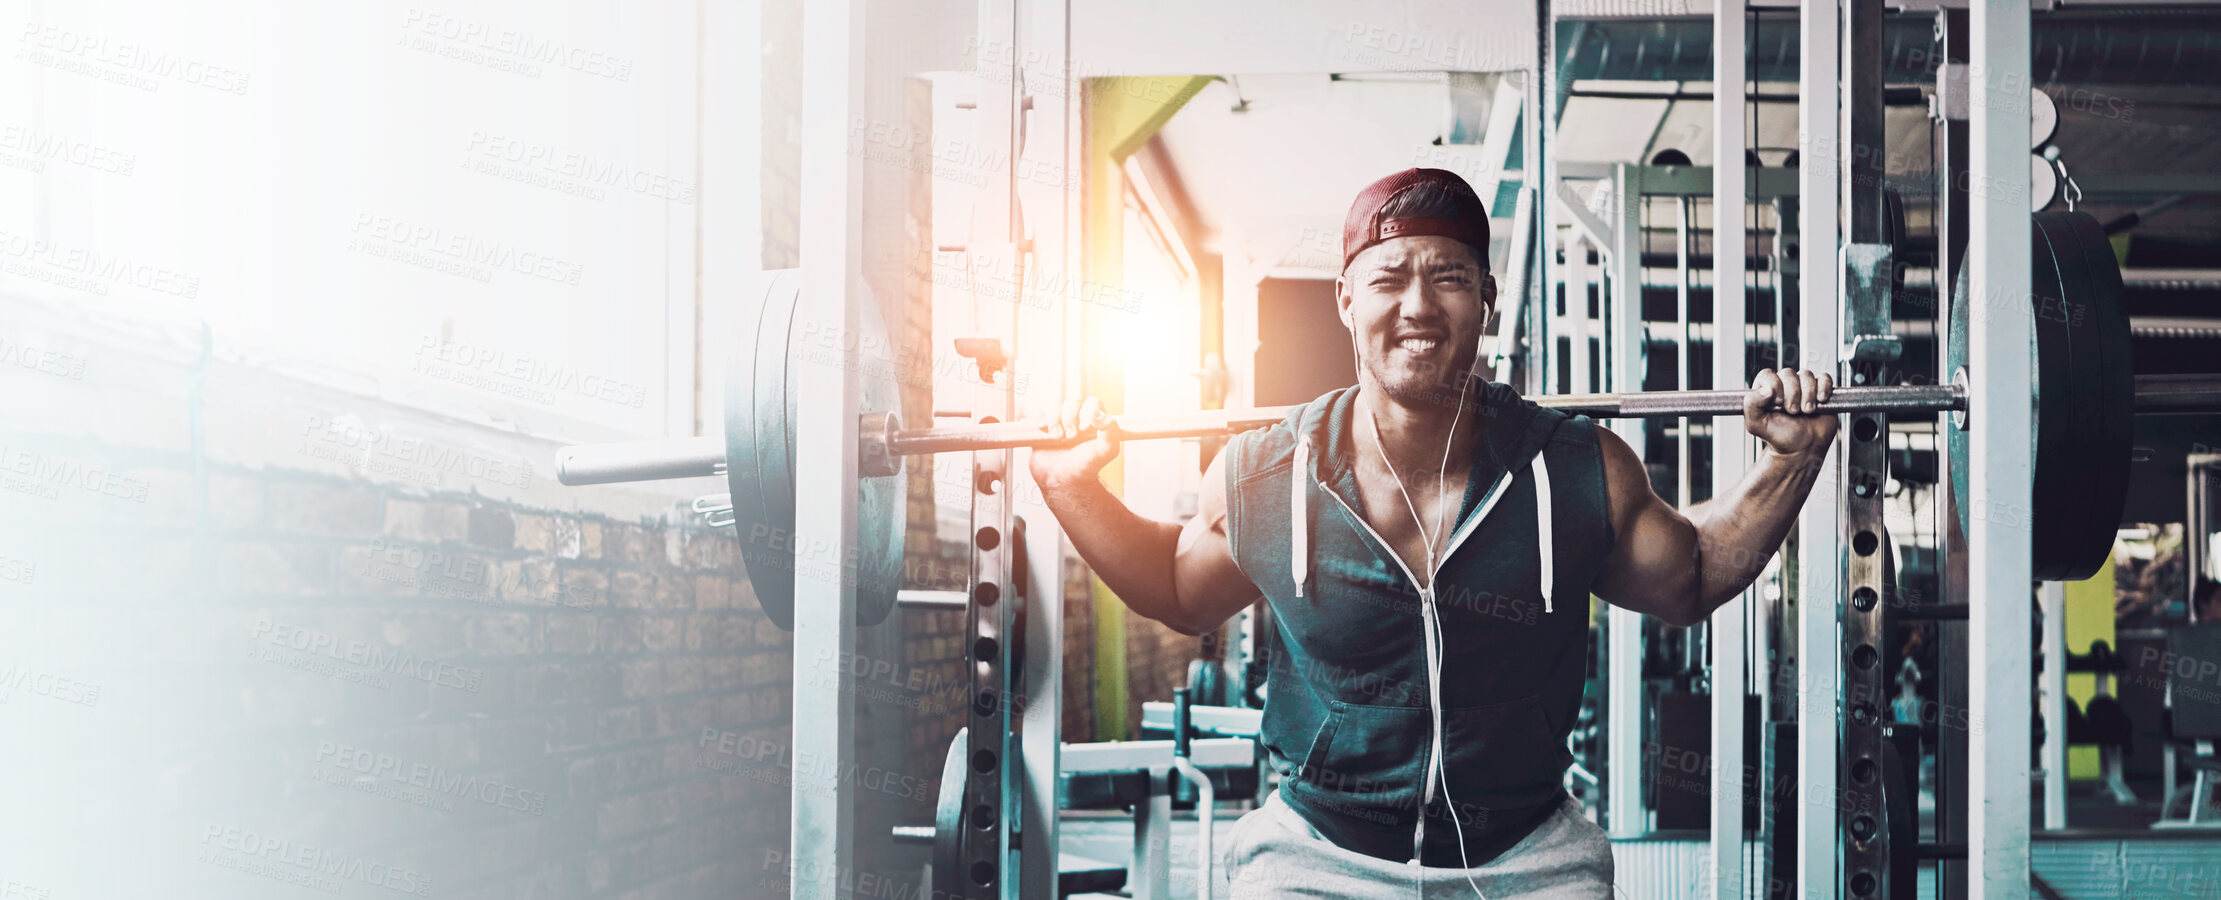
(1266,451)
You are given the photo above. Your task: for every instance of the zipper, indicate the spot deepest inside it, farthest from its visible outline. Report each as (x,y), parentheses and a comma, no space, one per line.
(1426,599)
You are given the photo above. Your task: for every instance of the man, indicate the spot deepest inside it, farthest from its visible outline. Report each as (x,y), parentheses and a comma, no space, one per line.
(1428,541)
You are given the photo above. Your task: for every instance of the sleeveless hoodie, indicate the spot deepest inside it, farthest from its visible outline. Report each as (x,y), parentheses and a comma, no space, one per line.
(1347,718)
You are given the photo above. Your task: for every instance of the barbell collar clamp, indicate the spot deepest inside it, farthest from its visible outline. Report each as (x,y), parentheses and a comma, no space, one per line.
(875,433)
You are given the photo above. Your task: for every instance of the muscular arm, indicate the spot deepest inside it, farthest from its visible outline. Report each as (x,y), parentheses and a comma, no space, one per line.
(1181,575)
(1680,565)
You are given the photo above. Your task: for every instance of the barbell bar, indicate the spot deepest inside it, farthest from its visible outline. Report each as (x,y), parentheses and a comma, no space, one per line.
(702,456)
(698,457)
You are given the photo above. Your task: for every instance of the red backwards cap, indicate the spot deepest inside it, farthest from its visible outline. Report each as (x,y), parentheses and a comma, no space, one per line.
(1468,221)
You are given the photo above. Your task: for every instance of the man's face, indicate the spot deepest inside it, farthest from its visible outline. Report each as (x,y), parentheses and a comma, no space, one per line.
(1416,308)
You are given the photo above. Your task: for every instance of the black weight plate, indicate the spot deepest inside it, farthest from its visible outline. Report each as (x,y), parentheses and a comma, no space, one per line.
(2049,431)
(881,502)
(1893,234)
(948,823)
(2049,407)
(2084,385)
(2064,375)
(2100,324)
(1956,440)
(761,416)
(757,470)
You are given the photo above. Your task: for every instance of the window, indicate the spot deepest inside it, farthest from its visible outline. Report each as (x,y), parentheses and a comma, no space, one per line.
(486,208)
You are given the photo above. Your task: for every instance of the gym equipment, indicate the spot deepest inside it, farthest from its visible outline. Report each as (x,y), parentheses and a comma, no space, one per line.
(1151,777)
(947,830)
(1207,679)
(1204,720)
(2103,722)
(757,457)
(2080,369)
(2192,726)
(2083,427)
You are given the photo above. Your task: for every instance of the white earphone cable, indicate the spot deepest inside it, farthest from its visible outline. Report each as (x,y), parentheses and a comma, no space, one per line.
(1431,625)
(1430,619)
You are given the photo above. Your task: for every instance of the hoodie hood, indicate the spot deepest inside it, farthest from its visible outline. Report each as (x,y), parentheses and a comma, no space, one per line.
(1513,429)
(1513,432)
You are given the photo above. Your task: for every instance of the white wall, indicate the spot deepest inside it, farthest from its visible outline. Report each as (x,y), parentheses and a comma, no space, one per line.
(486,207)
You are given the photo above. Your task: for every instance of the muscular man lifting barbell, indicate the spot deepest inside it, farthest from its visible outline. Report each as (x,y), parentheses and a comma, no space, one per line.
(1464,593)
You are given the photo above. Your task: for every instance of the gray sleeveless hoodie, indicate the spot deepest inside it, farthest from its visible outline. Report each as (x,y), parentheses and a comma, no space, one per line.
(1347,719)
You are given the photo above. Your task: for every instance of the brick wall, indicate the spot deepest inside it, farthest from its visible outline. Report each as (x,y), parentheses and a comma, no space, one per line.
(504,701)
(1079,655)
(1156,661)
(244,612)
(253,628)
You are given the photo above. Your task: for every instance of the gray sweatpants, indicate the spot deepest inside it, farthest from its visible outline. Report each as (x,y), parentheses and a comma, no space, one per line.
(1274,853)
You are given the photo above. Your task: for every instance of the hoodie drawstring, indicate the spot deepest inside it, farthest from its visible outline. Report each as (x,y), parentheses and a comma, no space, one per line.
(1543,534)
(1299,518)
(1299,524)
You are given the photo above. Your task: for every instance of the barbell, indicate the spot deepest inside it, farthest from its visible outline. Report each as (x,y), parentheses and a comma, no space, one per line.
(2086,397)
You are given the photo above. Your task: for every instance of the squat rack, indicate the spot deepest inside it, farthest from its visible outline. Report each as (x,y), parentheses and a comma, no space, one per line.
(835,61)
(1835,204)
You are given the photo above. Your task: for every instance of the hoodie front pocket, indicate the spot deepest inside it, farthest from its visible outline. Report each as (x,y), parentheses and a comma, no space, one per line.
(1502,756)
(1369,762)
(1366,761)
